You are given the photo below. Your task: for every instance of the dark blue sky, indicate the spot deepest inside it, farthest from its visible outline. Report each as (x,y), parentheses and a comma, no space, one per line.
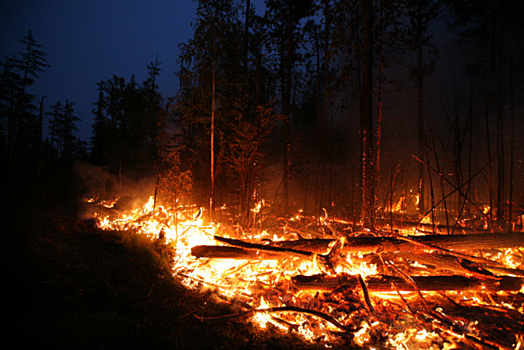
(90,40)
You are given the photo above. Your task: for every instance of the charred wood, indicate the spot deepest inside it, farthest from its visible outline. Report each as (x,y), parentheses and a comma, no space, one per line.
(384,283)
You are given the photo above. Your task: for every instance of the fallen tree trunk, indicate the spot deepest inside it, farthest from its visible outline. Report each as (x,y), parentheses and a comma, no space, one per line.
(253,251)
(383,283)
(451,263)
(392,244)
(223,252)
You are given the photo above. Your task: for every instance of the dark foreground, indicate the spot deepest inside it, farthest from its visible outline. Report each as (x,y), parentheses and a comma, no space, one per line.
(72,286)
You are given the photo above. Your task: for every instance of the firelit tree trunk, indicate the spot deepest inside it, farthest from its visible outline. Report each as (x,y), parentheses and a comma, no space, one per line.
(286,132)
(378,175)
(512,150)
(420,14)
(366,119)
(420,106)
(488,147)
(212,156)
(501,198)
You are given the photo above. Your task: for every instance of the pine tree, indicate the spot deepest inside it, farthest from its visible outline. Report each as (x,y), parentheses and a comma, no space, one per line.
(31,62)
(125,126)
(23,128)
(63,127)
(100,131)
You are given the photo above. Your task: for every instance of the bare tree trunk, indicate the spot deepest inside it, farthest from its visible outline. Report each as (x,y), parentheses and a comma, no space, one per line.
(488,148)
(512,152)
(366,119)
(212,174)
(500,156)
(420,108)
(286,111)
(379,110)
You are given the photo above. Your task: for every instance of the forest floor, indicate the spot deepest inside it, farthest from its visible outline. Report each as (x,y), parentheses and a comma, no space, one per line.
(71,285)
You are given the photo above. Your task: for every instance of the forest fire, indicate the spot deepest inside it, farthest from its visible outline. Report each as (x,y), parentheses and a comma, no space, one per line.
(331,286)
(394,126)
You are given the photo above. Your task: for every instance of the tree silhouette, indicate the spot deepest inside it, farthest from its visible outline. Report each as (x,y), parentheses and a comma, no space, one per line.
(125,125)
(63,127)
(23,130)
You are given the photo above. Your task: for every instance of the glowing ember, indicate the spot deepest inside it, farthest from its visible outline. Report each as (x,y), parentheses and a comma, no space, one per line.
(262,281)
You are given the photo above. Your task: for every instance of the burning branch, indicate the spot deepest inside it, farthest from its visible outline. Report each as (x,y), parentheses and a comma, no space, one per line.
(248,314)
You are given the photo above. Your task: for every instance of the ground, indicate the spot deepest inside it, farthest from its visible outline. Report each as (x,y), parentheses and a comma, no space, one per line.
(70,285)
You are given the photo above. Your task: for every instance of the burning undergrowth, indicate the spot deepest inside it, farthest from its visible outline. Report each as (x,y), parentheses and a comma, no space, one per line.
(322,281)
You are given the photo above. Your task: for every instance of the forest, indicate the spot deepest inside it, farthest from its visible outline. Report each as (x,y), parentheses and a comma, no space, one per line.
(366,109)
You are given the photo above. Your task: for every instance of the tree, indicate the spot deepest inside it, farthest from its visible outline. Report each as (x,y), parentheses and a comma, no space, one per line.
(212,79)
(284,18)
(100,131)
(9,87)
(63,127)
(31,62)
(23,124)
(125,126)
(493,30)
(243,155)
(420,13)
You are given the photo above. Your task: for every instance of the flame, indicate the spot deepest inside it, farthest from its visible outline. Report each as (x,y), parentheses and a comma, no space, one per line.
(258,206)
(426,220)
(266,284)
(262,318)
(362,336)
(399,207)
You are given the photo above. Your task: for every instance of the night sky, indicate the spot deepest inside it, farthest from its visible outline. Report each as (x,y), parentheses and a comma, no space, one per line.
(87,41)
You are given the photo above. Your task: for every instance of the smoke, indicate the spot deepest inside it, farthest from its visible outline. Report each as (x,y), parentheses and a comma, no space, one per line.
(100,191)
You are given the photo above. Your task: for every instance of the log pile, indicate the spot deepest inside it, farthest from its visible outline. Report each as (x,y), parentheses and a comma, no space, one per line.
(460,289)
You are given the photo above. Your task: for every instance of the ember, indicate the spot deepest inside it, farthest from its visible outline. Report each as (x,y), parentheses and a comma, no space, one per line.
(369,289)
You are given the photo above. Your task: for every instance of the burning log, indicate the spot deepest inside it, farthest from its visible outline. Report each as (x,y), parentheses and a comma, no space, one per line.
(261,247)
(452,263)
(267,252)
(224,252)
(384,283)
(392,244)
(245,250)
(455,262)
